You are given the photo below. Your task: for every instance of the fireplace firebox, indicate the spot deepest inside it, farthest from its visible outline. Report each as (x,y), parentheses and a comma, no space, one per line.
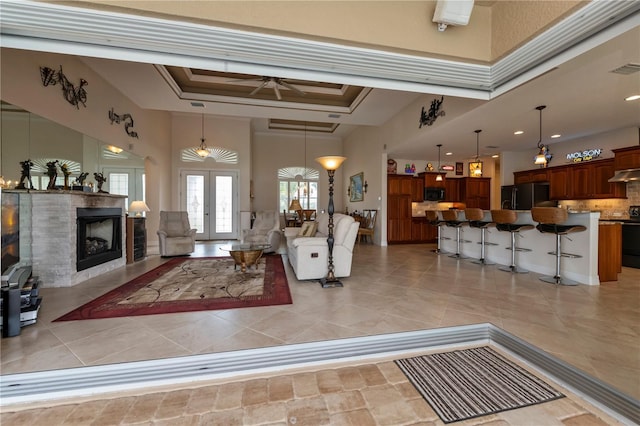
(99,236)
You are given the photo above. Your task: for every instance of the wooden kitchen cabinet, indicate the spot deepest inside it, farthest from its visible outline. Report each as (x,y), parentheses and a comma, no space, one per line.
(627,158)
(431,182)
(560,183)
(452,189)
(601,172)
(422,231)
(398,218)
(417,189)
(476,192)
(399,184)
(529,176)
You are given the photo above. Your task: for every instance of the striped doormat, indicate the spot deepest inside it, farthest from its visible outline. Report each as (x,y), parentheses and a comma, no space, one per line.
(470,383)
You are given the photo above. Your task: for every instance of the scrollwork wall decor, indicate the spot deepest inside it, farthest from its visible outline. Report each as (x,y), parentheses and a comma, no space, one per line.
(428,118)
(75,96)
(127,119)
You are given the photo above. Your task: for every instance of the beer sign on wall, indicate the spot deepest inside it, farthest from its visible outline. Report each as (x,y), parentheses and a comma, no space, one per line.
(586,155)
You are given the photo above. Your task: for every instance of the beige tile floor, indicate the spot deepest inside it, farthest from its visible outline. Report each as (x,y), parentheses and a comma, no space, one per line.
(396,288)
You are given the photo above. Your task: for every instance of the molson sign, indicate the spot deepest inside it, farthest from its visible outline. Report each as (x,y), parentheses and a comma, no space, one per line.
(586,155)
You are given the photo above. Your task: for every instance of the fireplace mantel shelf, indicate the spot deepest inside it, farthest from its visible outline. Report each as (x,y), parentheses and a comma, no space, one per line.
(64,192)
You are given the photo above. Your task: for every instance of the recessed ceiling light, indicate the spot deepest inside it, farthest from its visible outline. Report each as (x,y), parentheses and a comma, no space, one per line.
(555,136)
(448,153)
(632,98)
(518,132)
(495,156)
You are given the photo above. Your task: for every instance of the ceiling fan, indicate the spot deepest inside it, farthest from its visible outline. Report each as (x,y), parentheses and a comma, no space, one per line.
(274,83)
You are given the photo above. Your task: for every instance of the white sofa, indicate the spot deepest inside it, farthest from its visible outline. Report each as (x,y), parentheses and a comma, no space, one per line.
(309,256)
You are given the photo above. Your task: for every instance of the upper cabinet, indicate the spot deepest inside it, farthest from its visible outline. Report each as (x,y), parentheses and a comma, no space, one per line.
(537,175)
(431,182)
(627,158)
(399,184)
(580,181)
(476,192)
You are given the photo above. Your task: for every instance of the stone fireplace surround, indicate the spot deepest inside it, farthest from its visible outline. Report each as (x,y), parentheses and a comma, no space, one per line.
(48,234)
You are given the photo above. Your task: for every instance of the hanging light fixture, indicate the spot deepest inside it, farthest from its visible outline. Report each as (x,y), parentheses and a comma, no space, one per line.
(439,177)
(202,150)
(477,166)
(544,156)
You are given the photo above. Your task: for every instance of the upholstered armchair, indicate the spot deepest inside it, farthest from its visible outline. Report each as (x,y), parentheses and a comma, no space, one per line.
(175,234)
(265,230)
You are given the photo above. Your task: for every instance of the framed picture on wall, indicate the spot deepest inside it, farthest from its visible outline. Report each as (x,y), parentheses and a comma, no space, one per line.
(459,169)
(356,190)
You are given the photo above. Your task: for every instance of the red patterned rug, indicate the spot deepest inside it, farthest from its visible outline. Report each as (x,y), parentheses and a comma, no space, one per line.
(192,284)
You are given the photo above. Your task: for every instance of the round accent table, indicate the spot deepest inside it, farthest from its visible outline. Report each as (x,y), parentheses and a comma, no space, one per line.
(245,254)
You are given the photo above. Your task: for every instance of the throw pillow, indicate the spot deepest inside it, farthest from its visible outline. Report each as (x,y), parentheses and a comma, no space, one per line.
(308,229)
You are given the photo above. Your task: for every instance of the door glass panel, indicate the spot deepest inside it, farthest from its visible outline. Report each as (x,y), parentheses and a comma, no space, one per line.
(119,184)
(195,202)
(224,204)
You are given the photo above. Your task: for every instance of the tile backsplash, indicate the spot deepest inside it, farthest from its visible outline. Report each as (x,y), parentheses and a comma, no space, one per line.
(617,208)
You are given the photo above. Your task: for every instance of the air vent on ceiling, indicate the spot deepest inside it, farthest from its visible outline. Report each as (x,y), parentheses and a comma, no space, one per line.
(627,69)
(197,104)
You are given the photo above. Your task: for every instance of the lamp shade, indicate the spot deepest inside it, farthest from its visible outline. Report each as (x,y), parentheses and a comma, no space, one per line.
(295,205)
(331,162)
(138,207)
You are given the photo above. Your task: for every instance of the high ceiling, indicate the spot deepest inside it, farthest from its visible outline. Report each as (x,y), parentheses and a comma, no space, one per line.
(574,79)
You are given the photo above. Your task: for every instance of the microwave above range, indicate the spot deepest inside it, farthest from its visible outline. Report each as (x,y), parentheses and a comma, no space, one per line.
(434,194)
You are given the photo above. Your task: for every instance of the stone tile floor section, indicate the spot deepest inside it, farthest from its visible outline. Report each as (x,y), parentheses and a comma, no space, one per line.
(391,289)
(358,395)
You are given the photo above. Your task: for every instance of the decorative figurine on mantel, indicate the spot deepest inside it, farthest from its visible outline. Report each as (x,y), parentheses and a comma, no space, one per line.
(52,172)
(82,178)
(101,180)
(66,172)
(26,175)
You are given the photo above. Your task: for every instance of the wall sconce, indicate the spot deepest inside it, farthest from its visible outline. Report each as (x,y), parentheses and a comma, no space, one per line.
(365,186)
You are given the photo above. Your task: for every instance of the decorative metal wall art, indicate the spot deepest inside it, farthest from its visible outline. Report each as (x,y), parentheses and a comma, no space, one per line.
(75,96)
(428,118)
(52,172)
(127,119)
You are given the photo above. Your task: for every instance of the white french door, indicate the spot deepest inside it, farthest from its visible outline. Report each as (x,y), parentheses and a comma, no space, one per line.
(211,199)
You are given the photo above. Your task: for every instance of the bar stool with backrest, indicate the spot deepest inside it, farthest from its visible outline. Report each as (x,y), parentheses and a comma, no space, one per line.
(475,217)
(505,221)
(434,219)
(551,220)
(452,219)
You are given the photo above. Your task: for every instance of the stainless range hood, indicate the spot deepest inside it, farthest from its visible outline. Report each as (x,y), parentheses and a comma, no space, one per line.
(630,175)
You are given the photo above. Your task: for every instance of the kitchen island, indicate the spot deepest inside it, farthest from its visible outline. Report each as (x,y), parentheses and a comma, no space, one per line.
(583,270)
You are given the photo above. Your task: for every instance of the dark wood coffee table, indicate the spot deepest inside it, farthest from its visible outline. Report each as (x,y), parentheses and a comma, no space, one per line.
(245,254)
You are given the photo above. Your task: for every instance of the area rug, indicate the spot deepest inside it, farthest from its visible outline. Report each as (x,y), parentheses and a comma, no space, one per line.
(192,284)
(470,383)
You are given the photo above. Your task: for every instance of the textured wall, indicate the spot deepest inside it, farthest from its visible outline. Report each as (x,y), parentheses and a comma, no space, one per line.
(516,22)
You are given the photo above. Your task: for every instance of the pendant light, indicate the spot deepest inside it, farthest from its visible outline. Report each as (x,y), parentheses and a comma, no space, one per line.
(202,150)
(439,177)
(543,151)
(477,171)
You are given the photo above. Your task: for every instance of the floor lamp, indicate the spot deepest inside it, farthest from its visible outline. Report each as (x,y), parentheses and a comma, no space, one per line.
(330,164)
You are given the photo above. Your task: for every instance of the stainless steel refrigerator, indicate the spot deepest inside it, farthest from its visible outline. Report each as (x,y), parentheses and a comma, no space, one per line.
(525,196)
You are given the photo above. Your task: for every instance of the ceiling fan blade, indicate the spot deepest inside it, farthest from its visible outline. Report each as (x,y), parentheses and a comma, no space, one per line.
(291,87)
(275,89)
(257,89)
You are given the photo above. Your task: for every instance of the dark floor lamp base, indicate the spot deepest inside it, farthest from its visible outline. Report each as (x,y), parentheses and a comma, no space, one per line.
(329,283)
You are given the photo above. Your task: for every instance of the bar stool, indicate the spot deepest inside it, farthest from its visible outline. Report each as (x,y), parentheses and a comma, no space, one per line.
(434,219)
(550,220)
(475,217)
(505,221)
(451,219)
